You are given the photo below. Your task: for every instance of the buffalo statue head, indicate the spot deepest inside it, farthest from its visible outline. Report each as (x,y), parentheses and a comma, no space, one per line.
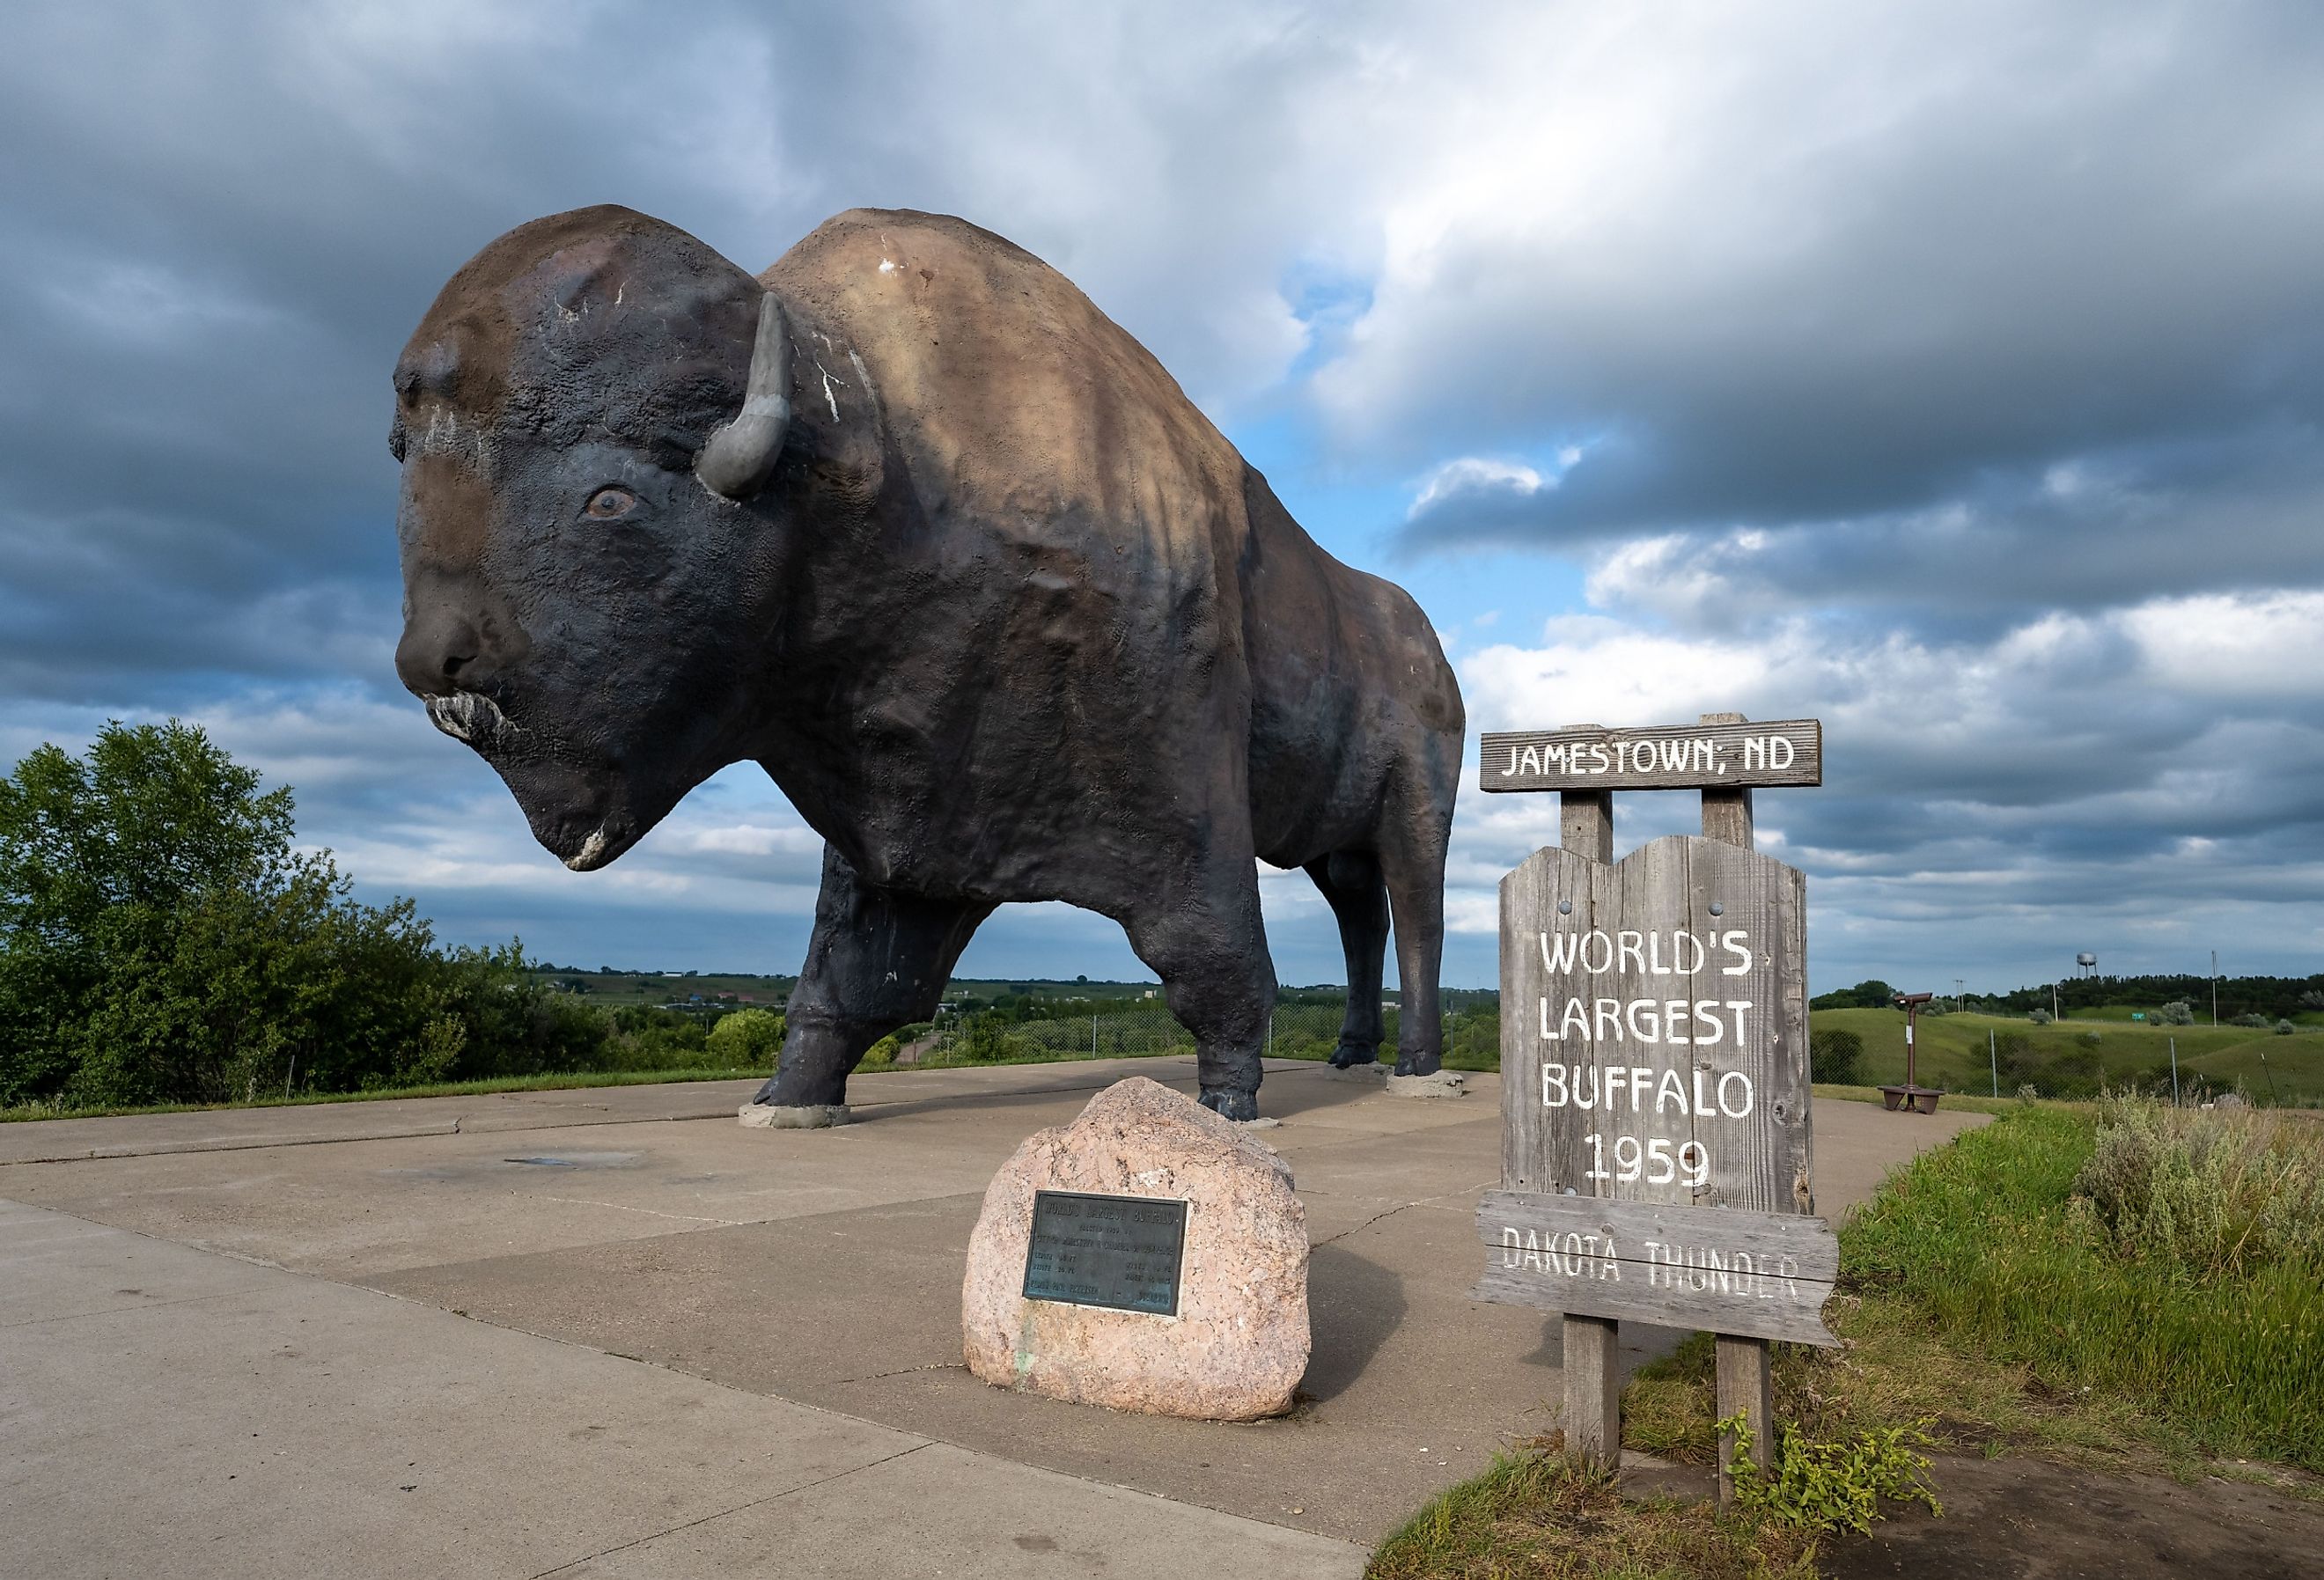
(587,420)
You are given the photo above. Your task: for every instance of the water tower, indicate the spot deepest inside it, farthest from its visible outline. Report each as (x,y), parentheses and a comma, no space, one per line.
(2086,963)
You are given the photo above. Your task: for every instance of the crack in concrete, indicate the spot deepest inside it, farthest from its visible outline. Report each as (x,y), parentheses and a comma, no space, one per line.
(575,1201)
(119,1310)
(737,1508)
(902,1372)
(1420,1201)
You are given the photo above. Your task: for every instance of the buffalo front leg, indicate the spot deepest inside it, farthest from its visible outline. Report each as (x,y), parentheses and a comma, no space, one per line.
(879,959)
(1203,937)
(1350,880)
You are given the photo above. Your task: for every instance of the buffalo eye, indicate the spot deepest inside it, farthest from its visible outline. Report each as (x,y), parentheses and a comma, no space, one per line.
(607,503)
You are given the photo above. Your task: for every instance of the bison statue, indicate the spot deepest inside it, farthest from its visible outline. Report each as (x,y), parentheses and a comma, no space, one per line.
(911,524)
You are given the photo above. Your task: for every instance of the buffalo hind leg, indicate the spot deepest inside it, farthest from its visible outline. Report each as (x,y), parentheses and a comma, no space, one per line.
(1412,860)
(1203,937)
(1350,880)
(879,959)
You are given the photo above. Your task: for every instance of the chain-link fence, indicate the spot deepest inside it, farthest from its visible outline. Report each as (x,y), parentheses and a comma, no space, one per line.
(1304,1028)
(1299,1030)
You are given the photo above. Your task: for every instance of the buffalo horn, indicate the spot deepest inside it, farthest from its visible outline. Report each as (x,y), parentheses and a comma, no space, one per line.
(741,457)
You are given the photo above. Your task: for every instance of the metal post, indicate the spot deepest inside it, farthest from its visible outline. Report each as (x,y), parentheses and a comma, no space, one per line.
(1993,1057)
(1094,1036)
(2174,1072)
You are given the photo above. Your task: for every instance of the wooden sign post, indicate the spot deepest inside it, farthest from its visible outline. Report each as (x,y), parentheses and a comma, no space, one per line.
(1655,1142)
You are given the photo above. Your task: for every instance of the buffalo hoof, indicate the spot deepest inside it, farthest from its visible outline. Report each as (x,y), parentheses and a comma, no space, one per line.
(1349,1054)
(772,1116)
(1231,1105)
(1419,1064)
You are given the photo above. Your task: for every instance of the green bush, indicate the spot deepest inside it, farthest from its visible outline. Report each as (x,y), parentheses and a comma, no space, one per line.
(747,1039)
(2285,1028)
(2178,1012)
(1831,1486)
(2201,1194)
(1836,1057)
(2257,1021)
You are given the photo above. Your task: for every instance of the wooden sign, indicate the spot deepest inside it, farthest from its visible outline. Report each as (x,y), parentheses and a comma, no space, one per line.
(1715,756)
(1766,1275)
(1655,1052)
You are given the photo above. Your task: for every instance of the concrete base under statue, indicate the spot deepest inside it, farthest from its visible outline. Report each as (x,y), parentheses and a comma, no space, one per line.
(1442,1084)
(767,1116)
(1370,1075)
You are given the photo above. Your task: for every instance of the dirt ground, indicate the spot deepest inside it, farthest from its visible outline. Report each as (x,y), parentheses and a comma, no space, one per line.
(2030,1519)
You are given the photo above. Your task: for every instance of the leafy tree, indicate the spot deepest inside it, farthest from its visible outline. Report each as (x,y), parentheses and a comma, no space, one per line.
(1870,994)
(161,940)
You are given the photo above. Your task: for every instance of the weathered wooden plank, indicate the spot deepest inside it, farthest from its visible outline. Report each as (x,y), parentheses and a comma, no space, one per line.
(1585,820)
(1654,1045)
(1732,756)
(1806,1245)
(1766,1275)
(1746,1388)
(1727,812)
(1590,1357)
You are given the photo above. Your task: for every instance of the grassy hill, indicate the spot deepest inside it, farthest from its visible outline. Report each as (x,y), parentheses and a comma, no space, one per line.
(1952,1051)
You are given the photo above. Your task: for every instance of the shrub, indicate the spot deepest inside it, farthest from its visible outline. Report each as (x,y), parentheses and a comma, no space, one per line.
(2285,1028)
(1833,1486)
(2202,1194)
(2039,1017)
(2253,1018)
(747,1039)
(1836,1056)
(2178,1012)
(985,1038)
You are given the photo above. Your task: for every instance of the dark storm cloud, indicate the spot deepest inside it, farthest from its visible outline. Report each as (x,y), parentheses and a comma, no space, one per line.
(1924,368)
(2062,238)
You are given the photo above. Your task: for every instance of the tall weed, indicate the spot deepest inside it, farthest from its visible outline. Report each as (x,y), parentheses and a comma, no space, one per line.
(2202,1194)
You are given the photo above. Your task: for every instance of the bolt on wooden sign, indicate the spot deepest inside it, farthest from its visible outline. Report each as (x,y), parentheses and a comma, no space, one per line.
(1656,1141)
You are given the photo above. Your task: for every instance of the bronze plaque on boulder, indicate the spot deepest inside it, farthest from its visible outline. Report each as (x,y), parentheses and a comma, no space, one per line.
(1123,1251)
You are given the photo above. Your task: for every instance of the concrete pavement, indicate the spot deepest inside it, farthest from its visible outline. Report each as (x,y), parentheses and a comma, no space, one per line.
(471,1282)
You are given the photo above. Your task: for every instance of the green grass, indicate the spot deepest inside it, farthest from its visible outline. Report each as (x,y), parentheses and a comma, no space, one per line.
(546,1082)
(1539,1514)
(1952,1051)
(1976,1296)
(1975,1238)
(1974,1291)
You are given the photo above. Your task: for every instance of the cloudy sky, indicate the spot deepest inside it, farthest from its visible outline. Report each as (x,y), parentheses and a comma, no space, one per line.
(1951,372)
